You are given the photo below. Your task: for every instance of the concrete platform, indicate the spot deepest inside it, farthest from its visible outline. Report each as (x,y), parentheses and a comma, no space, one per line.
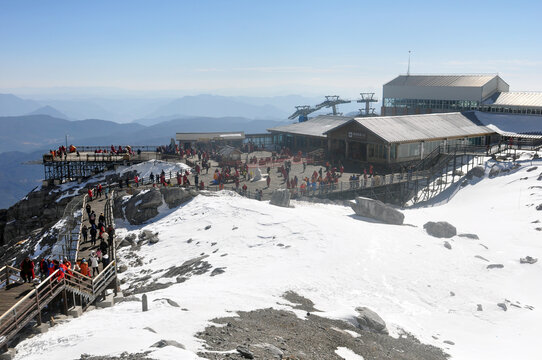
(75,311)
(108,302)
(41,329)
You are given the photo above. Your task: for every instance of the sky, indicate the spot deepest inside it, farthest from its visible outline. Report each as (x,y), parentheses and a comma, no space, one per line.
(263,47)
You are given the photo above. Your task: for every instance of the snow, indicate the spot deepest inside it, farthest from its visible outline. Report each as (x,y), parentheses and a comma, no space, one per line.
(329,255)
(348,354)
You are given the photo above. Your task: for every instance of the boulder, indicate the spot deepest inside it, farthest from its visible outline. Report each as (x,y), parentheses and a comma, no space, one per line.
(163,343)
(257,175)
(477,171)
(122,268)
(539,207)
(377,210)
(447,245)
(528,260)
(369,320)
(440,229)
(495,266)
(175,196)
(280,197)
(143,206)
(495,171)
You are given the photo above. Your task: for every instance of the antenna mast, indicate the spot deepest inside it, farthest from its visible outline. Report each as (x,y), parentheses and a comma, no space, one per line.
(408,69)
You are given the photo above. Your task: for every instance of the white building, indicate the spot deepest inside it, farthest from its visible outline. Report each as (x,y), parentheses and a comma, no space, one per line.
(425,94)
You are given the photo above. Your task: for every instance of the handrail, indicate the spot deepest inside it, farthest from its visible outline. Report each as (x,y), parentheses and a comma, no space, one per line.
(85,197)
(32,293)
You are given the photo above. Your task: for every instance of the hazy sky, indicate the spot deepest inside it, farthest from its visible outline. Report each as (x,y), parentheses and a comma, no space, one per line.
(264,47)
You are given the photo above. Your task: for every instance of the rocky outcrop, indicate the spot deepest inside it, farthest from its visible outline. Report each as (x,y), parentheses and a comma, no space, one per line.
(369,320)
(280,197)
(148,236)
(440,229)
(377,210)
(477,171)
(528,260)
(143,206)
(175,196)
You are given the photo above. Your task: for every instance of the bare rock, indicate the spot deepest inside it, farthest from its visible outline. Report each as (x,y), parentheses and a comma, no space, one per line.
(447,245)
(479,307)
(143,206)
(280,197)
(175,196)
(245,352)
(495,266)
(164,343)
(440,229)
(377,210)
(122,268)
(477,171)
(528,260)
(368,319)
(502,306)
(469,236)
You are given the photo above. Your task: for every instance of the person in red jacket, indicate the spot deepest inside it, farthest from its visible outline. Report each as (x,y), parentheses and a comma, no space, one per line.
(27,270)
(89,194)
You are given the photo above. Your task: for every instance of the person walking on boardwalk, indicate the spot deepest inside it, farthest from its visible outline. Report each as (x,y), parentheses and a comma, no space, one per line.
(27,270)
(99,190)
(88,209)
(84,268)
(268,180)
(93,233)
(89,194)
(93,260)
(84,233)
(92,218)
(101,218)
(44,268)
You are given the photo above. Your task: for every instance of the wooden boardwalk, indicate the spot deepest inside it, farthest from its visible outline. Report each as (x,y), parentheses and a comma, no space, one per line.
(85,248)
(11,294)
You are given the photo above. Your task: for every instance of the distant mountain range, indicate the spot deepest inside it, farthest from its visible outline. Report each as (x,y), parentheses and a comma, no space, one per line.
(150,111)
(27,138)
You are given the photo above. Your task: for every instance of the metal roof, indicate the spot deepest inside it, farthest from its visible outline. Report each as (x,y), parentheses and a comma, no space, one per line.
(409,128)
(441,80)
(514,134)
(316,126)
(517,98)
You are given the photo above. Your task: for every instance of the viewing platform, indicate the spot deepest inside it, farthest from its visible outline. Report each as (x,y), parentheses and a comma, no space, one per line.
(89,160)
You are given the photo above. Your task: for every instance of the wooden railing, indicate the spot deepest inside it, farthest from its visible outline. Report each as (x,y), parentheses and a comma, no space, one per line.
(8,275)
(29,307)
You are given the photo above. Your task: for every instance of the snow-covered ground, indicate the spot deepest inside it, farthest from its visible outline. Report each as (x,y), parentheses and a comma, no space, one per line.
(339,261)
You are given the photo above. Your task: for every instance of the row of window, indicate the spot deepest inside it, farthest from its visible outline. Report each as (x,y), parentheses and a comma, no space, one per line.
(456,105)
(431,104)
(402,151)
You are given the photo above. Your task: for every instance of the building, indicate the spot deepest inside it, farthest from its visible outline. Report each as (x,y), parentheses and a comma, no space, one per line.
(393,140)
(426,94)
(529,103)
(187,140)
(307,135)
